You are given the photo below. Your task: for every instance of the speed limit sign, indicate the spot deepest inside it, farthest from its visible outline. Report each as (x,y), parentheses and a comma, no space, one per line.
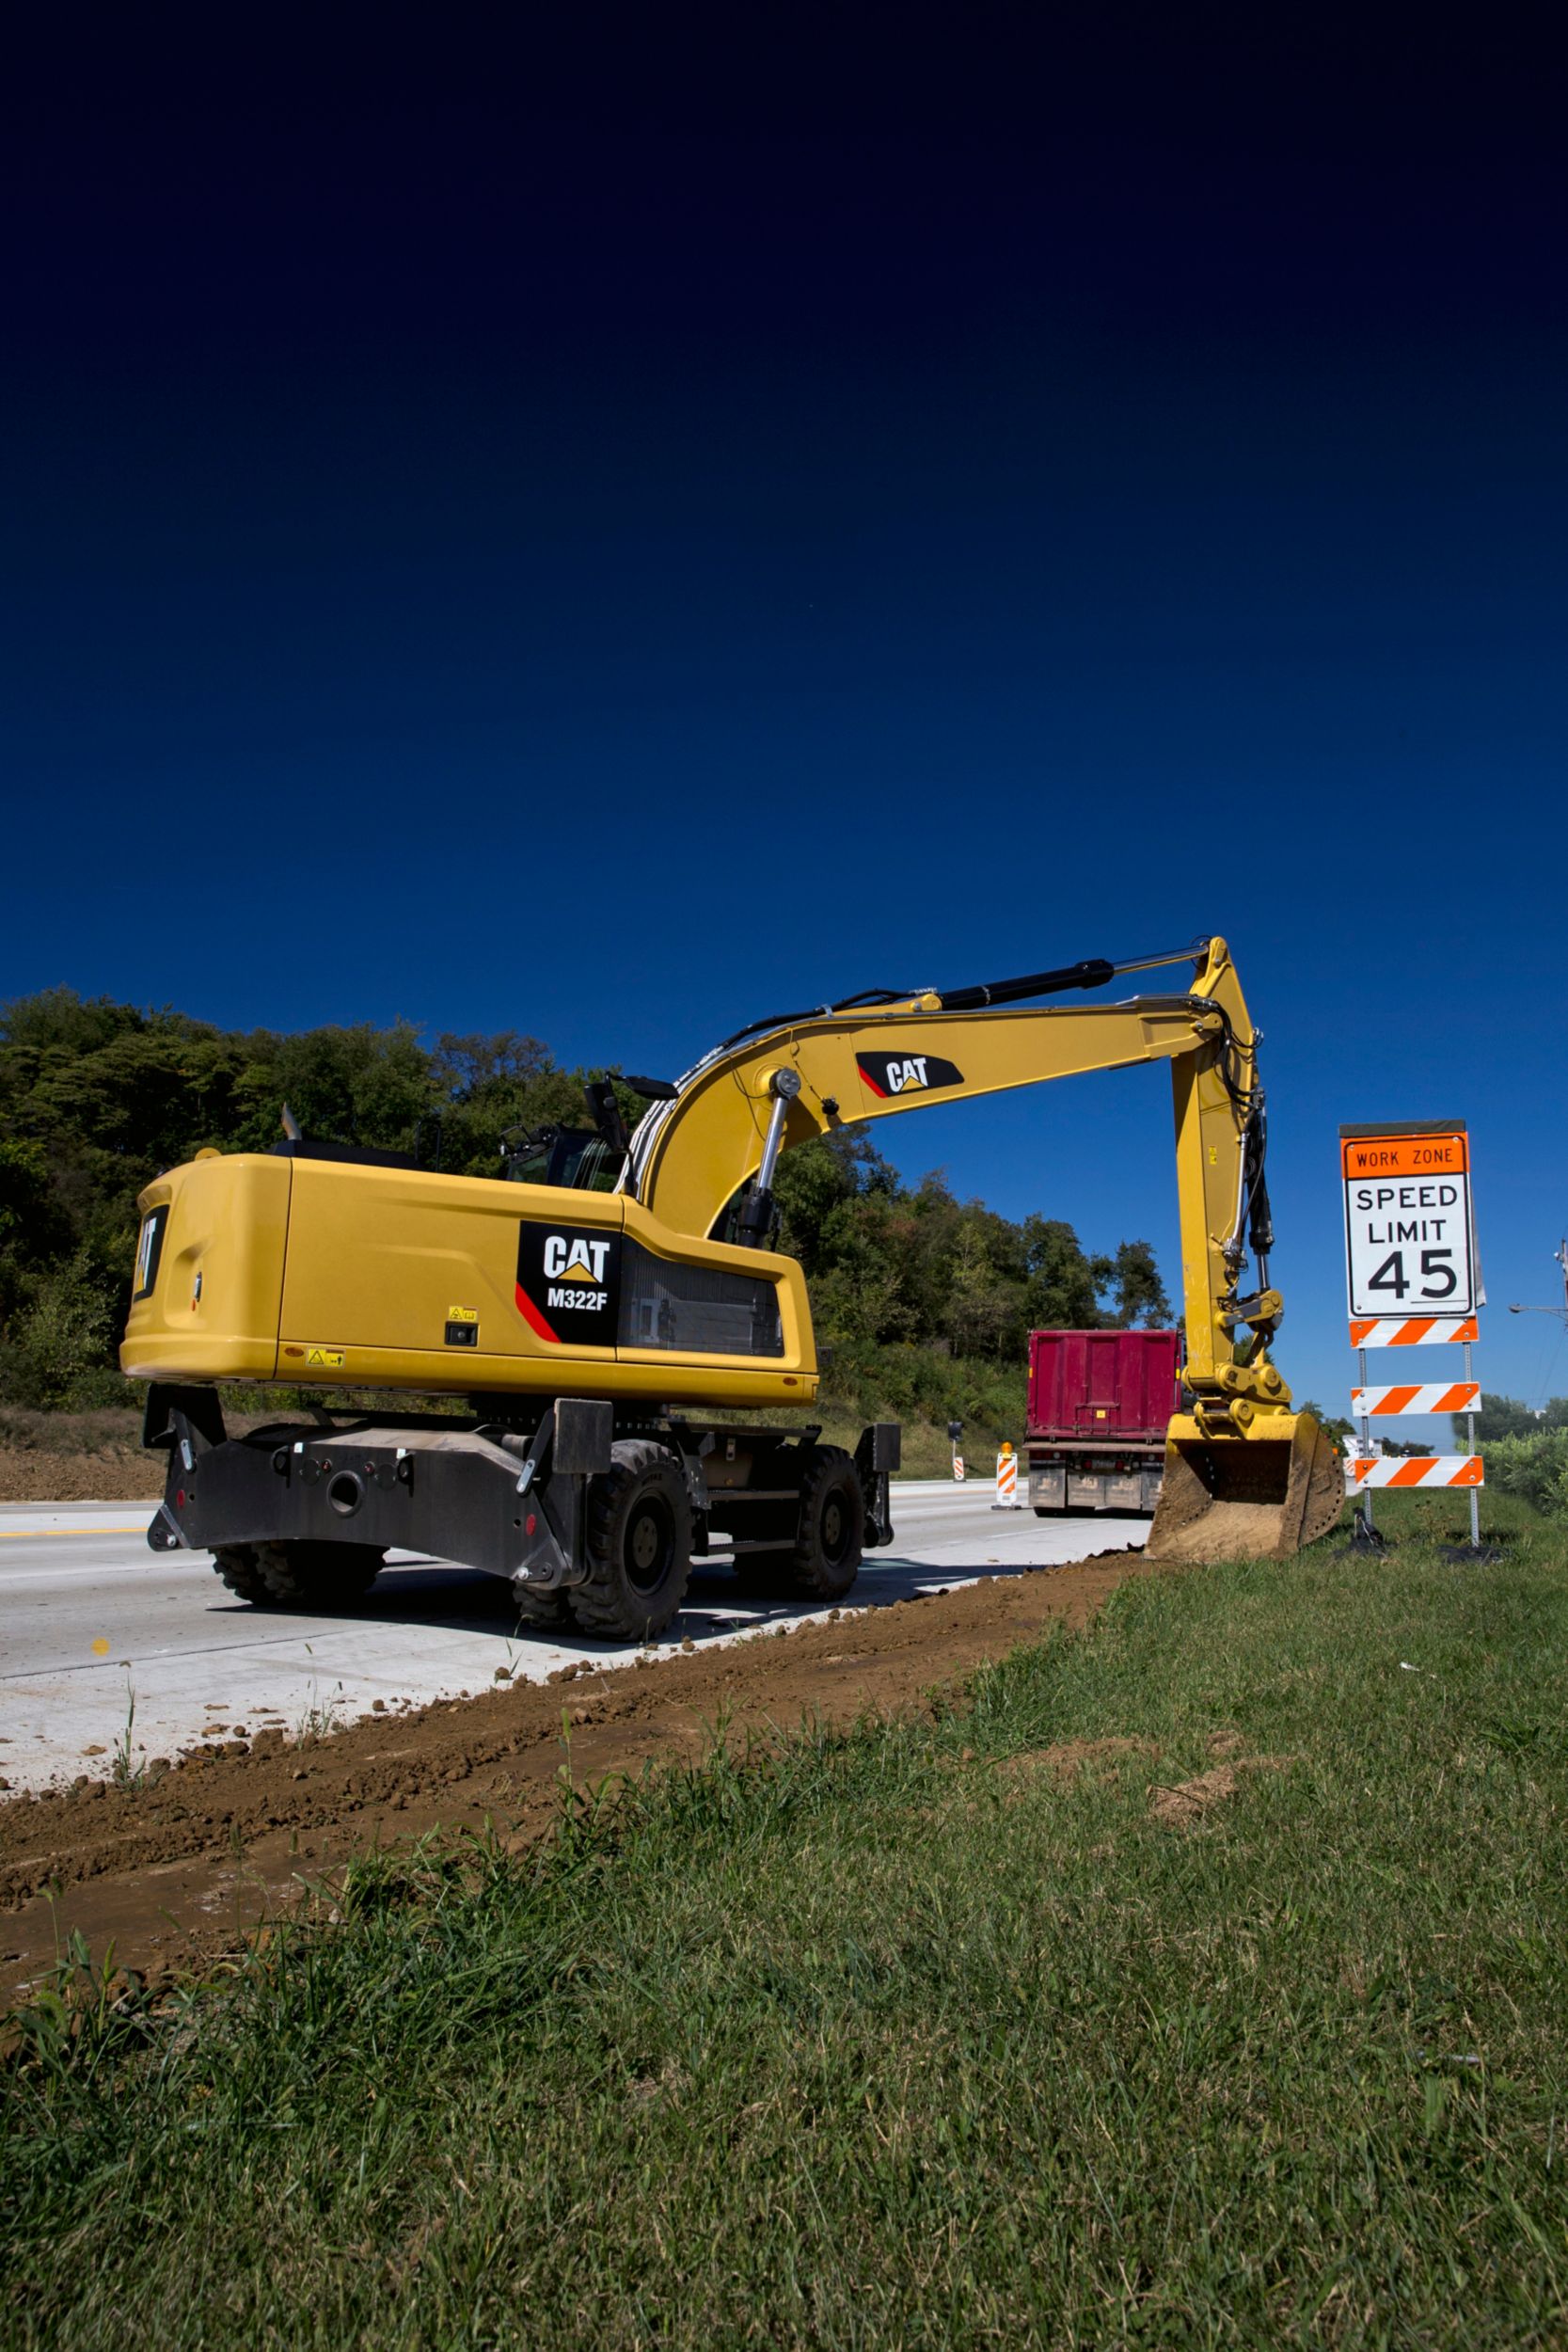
(1409,1230)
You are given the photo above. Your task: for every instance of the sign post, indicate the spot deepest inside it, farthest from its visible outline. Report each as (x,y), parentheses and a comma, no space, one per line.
(1411,1279)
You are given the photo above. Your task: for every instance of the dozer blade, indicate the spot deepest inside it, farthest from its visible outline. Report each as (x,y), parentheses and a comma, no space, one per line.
(1246,1498)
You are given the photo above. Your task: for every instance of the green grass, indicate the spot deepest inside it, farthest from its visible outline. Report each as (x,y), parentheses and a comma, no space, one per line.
(890,2039)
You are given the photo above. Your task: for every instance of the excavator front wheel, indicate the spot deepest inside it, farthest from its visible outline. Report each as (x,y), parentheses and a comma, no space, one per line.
(824,1560)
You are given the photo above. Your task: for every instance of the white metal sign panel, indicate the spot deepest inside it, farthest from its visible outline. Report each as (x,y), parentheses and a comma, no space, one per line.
(1409,1233)
(1418,1396)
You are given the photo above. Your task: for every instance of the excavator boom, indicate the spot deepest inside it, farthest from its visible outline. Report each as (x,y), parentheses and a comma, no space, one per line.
(1245,1475)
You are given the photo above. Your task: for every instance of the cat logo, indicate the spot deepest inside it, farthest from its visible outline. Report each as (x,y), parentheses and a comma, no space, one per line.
(569,1284)
(573,1261)
(887,1074)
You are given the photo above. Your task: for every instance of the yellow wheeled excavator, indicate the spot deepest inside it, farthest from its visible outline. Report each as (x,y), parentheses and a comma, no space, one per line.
(605,1300)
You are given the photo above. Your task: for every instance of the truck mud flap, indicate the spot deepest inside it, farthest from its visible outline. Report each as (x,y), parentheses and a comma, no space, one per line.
(1247,1499)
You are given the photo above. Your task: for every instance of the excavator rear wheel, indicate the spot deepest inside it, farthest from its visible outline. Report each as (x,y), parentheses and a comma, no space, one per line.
(236,1566)
(299,1575)
(639,1544)
(546,1612)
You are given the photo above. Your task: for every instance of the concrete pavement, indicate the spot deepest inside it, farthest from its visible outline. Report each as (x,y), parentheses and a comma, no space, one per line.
(107,1647)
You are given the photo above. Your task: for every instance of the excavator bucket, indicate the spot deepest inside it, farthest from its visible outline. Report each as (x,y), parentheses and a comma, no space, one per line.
(1246,1498)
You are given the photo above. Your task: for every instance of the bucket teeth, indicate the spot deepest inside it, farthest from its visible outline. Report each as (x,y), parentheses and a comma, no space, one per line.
(1247,1499)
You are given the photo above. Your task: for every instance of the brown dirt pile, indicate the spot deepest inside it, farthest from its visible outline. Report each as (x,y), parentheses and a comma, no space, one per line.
(188,1865)
(1068,1758)
(1190,1802)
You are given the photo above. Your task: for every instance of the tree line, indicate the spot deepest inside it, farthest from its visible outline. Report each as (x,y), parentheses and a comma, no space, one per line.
(96,1098)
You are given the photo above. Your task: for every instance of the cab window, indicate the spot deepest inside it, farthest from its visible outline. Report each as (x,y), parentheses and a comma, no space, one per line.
(573,1157)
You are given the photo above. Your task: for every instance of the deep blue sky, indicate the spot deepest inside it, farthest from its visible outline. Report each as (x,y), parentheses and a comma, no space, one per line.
(610,544)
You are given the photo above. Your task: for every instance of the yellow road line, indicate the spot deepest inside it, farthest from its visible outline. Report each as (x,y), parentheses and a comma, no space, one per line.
(33,1535)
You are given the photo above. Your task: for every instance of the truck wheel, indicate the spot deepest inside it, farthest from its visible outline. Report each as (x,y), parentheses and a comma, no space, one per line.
(639,1544)
(299,1575)
(824,1560)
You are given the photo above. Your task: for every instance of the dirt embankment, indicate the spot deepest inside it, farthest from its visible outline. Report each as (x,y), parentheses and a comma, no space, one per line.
(76,1457)
(94,1456)
(183,1866)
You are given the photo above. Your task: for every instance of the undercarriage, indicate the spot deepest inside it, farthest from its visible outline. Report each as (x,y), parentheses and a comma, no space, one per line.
(593,1512)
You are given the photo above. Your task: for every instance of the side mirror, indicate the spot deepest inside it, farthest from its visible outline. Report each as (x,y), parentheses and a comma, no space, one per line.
(606,1114)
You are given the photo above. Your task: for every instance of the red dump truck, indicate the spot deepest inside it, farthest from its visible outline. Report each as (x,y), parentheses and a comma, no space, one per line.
(1099,1403)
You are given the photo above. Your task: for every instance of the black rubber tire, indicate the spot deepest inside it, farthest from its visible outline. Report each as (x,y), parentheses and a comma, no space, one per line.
(235,1566)
(299,1575)
(639,1544)
(825,1558)
(543,1613)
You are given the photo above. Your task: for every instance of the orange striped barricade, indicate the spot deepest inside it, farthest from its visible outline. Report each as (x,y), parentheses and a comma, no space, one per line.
(1412,1331)
(1415,1469)
(1006,1479)
(1416,1396)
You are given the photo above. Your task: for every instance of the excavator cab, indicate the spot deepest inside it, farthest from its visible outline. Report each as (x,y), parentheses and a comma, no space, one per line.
(579,1159)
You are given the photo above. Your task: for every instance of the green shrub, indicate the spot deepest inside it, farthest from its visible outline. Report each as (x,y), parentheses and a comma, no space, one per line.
(59,1342)
(1535,1468)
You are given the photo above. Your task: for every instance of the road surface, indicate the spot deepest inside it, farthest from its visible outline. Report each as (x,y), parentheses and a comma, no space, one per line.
(107,1648)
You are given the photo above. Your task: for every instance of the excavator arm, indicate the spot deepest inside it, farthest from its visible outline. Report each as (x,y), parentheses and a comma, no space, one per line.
(1244,1473)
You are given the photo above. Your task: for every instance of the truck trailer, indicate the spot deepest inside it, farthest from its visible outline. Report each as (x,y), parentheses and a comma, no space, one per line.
(1100,1403)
